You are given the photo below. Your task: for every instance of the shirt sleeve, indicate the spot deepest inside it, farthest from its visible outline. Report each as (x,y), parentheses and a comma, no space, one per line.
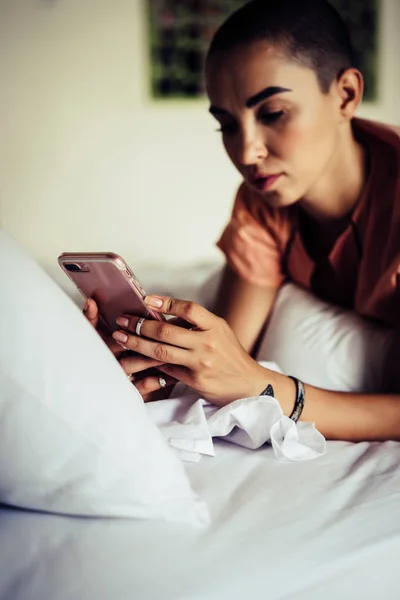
(250,248)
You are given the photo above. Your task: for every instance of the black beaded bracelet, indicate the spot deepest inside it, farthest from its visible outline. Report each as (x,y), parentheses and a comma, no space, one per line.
(299,403)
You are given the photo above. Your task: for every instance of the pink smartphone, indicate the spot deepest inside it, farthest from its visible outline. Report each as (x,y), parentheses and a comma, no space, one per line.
(107,279)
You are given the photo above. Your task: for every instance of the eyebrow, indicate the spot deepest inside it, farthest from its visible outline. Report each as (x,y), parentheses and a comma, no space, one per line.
(253,100)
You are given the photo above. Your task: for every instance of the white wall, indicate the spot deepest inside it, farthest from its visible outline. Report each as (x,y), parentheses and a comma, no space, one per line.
(89,162)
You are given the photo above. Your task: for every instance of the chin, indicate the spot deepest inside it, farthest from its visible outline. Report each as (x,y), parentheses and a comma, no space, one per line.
(277,199)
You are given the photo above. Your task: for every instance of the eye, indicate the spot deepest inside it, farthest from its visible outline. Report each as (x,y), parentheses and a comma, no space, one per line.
(271,117)
(228,128)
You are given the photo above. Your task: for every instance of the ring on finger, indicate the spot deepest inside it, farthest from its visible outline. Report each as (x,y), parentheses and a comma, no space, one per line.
(162,382)
(139,326)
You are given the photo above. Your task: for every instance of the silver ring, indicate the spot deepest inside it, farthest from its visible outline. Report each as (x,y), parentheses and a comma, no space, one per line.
(139,326)
(162,382)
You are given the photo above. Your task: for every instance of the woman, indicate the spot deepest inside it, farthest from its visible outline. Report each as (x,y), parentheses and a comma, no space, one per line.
(319,205)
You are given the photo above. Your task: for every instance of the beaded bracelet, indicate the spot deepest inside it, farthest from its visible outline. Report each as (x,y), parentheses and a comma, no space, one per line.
(299,402)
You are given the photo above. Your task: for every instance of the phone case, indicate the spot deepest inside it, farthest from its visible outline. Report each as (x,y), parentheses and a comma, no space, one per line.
(105,277)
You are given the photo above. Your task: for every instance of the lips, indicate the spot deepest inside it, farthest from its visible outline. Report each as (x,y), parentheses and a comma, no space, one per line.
(265,182)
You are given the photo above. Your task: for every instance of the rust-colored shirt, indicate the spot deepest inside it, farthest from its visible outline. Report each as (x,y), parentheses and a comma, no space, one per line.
(264,245)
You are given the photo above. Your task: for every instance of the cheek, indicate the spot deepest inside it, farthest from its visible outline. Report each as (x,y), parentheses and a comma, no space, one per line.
(306,144)
(293,141)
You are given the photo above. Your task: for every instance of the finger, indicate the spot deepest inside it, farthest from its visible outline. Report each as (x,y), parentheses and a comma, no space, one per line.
(162,331)
(186,309)
(152,384)
(180,373)
(116,348)
(181,323)
(164,353)
(91,312)
(135,364)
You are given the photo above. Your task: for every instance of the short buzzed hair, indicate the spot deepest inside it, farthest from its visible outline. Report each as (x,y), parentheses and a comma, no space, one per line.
(310,31)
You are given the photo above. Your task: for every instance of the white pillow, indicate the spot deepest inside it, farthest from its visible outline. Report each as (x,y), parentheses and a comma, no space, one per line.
(74,435)
(324,345)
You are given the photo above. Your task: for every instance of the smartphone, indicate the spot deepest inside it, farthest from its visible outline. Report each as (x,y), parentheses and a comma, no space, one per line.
(105,277)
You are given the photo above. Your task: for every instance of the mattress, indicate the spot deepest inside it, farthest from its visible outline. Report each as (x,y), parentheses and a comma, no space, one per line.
(322,529)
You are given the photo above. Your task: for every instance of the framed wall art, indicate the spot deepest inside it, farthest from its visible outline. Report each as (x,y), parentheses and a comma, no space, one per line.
(180,32)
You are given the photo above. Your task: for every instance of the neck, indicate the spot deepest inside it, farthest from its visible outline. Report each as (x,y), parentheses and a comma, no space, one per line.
(336,193)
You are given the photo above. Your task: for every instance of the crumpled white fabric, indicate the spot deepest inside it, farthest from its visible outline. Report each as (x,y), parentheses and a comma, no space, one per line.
(188,423)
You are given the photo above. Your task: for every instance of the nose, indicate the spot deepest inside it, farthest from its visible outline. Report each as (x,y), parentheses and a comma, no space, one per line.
(252,148)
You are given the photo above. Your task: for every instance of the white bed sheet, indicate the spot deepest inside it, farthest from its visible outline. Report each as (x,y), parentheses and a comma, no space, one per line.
(323,529)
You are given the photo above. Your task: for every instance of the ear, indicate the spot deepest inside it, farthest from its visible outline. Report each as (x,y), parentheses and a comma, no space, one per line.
(349,89)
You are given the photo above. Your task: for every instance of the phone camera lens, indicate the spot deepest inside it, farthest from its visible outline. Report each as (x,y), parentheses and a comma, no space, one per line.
(72,267)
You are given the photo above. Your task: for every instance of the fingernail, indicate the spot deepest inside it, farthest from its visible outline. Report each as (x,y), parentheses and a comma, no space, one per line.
(153,301)
(85,306)
(120,336)
(122,321)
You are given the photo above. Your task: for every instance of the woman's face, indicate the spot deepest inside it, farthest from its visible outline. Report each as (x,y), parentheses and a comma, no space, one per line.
(278,128)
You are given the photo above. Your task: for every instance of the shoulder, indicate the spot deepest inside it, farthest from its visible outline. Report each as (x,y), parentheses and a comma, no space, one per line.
(380,220)
(383,144)
(383,139)
(378,130)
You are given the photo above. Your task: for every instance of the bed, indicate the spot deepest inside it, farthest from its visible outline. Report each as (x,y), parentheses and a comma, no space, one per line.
(327,528)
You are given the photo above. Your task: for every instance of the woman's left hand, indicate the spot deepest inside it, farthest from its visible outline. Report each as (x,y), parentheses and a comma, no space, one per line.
(144,373)
(208,358)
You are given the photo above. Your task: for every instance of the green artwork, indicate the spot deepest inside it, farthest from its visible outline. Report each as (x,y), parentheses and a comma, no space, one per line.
(180,33)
